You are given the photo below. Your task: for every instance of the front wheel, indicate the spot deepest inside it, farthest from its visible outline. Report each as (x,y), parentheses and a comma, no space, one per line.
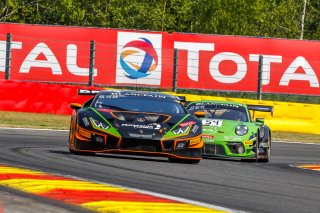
(267,151)
(72,147)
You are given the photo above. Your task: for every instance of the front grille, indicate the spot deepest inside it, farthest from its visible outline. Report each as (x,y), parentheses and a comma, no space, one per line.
(141,145)
(234,147)
(168,145)
(213,149)
(112,142)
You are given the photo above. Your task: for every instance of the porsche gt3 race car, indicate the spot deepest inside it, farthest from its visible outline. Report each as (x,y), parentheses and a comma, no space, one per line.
(230,132)
(133,122)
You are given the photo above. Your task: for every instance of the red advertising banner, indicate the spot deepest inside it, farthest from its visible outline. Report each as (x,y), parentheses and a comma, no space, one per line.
(40,97)
(143,58)
(231,63)
(62,54)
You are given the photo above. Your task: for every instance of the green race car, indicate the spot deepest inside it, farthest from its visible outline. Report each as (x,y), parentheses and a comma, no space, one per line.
(230,132)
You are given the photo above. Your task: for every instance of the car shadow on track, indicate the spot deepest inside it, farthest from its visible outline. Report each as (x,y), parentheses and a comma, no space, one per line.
(231,159)
(115,156)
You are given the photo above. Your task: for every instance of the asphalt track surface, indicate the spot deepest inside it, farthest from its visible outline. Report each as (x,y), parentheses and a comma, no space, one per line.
(276,186)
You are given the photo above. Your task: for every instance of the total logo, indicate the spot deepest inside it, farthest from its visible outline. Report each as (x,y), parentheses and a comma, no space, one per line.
(139,58)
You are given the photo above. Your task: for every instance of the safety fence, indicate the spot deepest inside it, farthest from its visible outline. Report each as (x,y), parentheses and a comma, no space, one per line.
(177,61)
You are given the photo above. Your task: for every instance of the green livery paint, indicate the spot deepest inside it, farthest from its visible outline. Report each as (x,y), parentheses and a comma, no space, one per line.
(111,130)
(229,130)
(170,133)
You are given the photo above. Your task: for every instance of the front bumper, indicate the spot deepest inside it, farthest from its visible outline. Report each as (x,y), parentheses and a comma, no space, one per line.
(105,143)
(228,150)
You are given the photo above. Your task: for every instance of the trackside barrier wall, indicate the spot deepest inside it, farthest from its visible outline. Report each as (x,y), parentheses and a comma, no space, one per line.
(56,99)
(38,97)
(287,116)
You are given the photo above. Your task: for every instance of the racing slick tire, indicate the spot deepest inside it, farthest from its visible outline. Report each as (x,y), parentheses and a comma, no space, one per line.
(71,150)
(267,151)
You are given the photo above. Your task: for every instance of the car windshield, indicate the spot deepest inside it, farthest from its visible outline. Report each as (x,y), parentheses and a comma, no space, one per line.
(139,104)
(220,111)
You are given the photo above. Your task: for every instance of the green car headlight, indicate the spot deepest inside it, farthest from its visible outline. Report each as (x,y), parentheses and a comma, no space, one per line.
(241,130)
(98,124)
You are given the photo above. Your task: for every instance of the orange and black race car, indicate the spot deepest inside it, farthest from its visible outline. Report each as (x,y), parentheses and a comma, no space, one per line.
(135,122)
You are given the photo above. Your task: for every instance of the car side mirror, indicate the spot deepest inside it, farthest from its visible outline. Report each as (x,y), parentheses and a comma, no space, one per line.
(199,114)
(75,106)
(260,120)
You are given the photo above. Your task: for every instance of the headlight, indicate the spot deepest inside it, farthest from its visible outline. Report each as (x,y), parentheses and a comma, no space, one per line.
(98,124)
(241,130)
(181,130)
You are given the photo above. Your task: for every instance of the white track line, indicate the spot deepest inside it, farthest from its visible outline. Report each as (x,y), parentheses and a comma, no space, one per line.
(32,129)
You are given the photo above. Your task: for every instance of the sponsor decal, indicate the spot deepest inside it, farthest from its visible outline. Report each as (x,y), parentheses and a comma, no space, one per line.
(137,94)
(195,141)
(212,122)
(143,95)
(205,105)
(248,142)
(232,138)
(99,124)
(210,130)
(88,92)
(133,135)
(195,128)
(141,126)
(85,121)
(193,107)
(188,123)
(181,130)
(139,58)
(208,136)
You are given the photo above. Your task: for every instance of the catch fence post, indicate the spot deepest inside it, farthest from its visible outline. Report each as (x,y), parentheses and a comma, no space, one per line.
(259,89)
(175,70)
(8,57)
(91,66)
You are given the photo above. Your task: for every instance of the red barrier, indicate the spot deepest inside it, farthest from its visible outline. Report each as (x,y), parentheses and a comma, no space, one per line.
(144,58)
(39,97)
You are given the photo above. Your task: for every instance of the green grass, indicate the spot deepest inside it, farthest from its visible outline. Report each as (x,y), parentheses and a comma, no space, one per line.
(34,120)
(51,121)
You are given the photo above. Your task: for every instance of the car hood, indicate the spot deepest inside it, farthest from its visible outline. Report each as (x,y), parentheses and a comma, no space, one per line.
(141,125)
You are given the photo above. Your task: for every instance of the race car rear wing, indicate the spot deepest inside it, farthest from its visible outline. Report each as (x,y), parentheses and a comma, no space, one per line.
(182,100)
(260,108)
(87,92)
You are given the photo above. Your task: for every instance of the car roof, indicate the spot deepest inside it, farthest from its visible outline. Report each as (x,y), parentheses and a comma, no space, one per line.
(139,94)
(219,102)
